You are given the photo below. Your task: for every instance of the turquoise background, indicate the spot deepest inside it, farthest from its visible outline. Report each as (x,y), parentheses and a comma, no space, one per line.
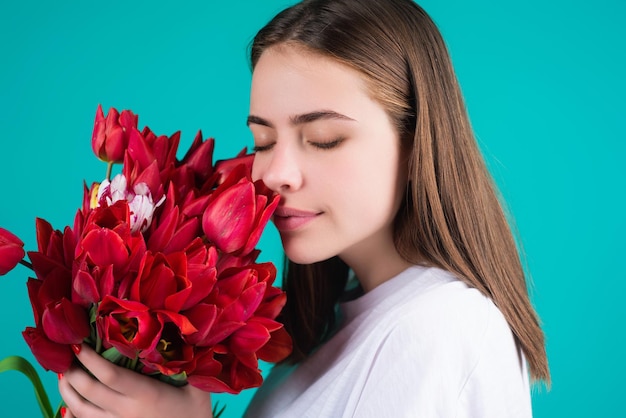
(544,84)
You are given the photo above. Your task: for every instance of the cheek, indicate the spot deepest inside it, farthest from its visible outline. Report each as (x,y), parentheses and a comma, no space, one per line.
(256,168)
(380,183)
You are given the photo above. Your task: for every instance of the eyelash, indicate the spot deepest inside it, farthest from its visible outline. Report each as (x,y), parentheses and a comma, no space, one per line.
(328,145)
(318,145)
(261,148)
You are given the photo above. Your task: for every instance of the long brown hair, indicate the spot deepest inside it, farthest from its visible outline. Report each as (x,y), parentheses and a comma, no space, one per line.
(451,216)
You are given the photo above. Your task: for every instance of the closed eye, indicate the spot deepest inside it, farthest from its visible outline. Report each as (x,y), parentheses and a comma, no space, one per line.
(261,148)
(327,145)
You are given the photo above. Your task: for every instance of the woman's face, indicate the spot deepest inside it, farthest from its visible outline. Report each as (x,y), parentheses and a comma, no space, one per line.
(332,154)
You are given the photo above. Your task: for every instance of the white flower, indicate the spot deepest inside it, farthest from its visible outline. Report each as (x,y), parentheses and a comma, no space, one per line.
(139,200)
(142,207)
(118,188)
(113,190)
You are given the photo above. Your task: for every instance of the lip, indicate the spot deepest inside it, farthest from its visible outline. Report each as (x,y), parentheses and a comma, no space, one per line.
(290,219)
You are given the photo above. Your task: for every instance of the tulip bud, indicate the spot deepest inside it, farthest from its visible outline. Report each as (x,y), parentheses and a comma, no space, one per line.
(65,322)
(224,167)
(237,212)
(51,355)
(11,251)
(199,157)
(110,134)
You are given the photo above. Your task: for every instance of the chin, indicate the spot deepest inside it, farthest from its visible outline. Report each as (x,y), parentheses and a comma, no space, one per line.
(299,258)
(304,254)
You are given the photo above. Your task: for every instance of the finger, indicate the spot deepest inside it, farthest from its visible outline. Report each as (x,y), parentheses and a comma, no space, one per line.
(76,405)
(112,387)
(109,374)
(92,392)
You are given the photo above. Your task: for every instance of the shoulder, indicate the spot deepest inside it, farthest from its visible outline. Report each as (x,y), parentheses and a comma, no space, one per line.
(446,308)
(452,351)
(437,323)
(427,307)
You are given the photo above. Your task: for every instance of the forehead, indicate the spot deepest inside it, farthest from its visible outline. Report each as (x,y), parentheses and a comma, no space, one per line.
(295,74)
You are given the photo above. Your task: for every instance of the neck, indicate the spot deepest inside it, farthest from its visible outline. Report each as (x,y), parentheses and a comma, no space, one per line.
(374,266)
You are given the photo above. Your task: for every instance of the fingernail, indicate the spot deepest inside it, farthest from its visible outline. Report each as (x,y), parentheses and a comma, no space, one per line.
(76,348)
(60,376)
(63,411)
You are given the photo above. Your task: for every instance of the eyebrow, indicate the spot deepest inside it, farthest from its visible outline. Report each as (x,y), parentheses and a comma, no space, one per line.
(302,118)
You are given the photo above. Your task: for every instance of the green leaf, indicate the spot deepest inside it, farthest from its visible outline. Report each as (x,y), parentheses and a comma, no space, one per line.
(22,365)
(112,355)
(179,379)
(217,412)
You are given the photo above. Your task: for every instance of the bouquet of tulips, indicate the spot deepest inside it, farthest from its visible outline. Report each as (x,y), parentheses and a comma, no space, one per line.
(158,271)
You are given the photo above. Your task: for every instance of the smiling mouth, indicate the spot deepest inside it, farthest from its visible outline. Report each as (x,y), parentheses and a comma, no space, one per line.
(290,219)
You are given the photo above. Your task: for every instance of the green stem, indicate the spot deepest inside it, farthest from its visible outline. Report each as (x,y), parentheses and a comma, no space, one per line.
(109,169)
(98,347)
(22,365)
(26,264)
(133,363)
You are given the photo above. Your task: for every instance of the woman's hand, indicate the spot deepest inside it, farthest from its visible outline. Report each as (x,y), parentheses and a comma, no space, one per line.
(119,392)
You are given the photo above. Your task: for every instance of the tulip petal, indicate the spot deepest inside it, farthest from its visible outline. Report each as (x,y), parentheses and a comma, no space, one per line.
(221,330)
(105,247)
(44,232)
(139,150)
(225,167)
(163,234)
(181,321)
(85,288)
(65,322)
(249,339)
(7,237)
(228,219)
(127,325)
(199,156)
(264,217)
(277,348)
(34,287)
(10,256)
(244,377)
(184,234)
(51,355)
(202,316)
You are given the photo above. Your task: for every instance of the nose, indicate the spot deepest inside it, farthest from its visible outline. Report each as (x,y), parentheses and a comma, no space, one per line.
(279,168)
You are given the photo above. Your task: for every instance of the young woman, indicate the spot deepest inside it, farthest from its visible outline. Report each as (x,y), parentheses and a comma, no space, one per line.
(406,295)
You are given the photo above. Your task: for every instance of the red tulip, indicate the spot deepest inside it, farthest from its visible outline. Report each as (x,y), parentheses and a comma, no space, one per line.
(171,355)
(237,376)
(127,325)
(51,355)
(205,375)
(277,348)
(223,168)
(55,285)
(237,212)
(173,285)
(237,294)
(198,158)
(89,286)
(65,322)
(202,317)
(247,340)
(53,245)
(174,232)
(229,260)
(110,135)
(107,240)
(163,282)
(11,251)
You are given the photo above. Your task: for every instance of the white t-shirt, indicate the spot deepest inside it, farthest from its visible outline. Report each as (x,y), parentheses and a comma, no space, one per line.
(422,344)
